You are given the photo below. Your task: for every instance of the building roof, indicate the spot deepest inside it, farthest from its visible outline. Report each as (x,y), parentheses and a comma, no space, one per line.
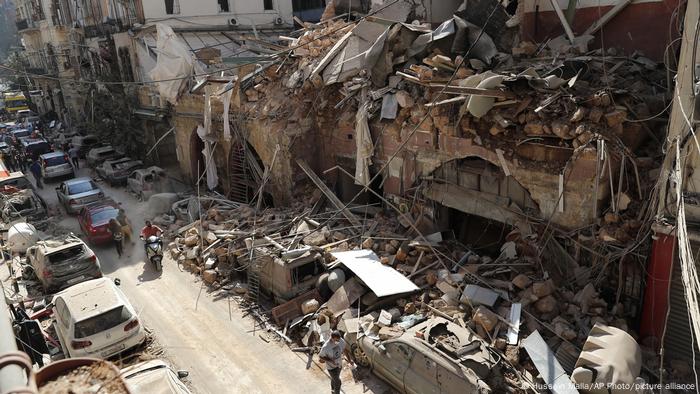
(232,44)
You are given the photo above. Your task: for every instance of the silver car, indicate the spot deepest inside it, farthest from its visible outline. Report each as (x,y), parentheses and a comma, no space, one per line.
(55,164)
(97,156)
(76,193)
(116,171)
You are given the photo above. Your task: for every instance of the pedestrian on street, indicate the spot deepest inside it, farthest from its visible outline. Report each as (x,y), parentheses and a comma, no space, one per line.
(331,354)
(74,156)
(35,168)
(20,160)
(116,230)
(10,161)
(126,226)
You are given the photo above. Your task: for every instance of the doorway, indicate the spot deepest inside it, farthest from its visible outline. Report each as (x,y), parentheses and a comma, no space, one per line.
(197,161)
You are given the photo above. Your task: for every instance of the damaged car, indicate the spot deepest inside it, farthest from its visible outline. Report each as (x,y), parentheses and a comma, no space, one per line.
(62,263)
(74,194)
(116,171)
(435,356)
(23,205)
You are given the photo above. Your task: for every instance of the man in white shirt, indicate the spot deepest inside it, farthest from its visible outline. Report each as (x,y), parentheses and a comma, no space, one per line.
(332,355)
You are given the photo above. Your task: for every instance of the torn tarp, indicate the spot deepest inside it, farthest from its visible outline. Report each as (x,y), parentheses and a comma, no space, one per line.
(208,153)
(381,279)
(175,63)
(363,144)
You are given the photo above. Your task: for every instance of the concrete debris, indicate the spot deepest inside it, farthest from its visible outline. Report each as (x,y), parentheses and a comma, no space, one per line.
(544,124)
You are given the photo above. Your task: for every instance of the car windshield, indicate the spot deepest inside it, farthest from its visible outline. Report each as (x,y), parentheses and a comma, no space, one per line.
(102,322)
(55,161)
(104,215)
(66,254)
(82,187)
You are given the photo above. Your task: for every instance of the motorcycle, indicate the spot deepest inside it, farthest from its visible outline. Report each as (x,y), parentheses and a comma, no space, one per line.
(154,250)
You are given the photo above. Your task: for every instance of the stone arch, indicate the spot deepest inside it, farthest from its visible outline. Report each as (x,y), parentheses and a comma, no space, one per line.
(476,186)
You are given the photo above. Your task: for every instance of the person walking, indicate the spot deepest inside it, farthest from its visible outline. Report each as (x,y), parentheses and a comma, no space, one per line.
(331,354)
(20,160)
(74,155)
(126,226)
(116,230)
(35,168)
(10,161)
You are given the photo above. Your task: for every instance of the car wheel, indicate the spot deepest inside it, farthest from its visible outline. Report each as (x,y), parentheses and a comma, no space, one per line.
(359,356)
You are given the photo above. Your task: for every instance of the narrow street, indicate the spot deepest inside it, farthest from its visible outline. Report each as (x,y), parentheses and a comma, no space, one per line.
(197,332)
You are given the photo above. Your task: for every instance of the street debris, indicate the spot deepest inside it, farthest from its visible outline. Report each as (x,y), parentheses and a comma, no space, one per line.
(319,272)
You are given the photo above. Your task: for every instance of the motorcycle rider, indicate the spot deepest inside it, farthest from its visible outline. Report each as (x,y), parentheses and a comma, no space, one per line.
(150,230)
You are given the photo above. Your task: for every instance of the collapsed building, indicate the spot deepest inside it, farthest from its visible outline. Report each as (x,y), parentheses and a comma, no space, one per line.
(542,154)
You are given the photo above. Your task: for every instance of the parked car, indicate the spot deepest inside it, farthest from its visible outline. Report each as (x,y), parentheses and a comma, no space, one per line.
(147,181)
(75,193)
(33,120)
(4,147)
(117,171)
(62,263)
(35,147)
(23,205)
(16,179)
(64,137)
(24,113)
(97,156)
(19,133)
(84,143)
(154,376)
(436,356)
(95,319)
(56,164)
(94,221)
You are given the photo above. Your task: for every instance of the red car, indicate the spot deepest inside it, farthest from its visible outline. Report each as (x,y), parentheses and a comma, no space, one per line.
(94,221)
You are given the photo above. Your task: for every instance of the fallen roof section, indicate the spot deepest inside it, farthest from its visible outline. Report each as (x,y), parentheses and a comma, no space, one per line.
(381,279)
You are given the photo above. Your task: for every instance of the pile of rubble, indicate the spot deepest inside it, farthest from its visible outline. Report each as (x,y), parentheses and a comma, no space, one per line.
(323,272)
(524,107)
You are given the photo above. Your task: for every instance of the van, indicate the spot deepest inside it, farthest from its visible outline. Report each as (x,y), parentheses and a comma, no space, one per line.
(36,147)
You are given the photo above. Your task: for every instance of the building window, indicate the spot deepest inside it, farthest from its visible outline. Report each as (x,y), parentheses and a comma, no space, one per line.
(267,4)
(223,6)
(172,7)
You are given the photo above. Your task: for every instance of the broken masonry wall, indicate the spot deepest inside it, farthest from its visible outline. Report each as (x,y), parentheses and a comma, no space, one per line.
(262,136)
(640,26)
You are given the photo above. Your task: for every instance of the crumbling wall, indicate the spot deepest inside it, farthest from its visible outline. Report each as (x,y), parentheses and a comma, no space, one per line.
(641,26)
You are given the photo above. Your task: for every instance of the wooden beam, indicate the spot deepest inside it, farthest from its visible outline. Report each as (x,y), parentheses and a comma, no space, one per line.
(606,18)
(562,19)
(329,193)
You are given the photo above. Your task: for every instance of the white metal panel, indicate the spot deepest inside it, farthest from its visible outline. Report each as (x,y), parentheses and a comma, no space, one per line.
(381,279)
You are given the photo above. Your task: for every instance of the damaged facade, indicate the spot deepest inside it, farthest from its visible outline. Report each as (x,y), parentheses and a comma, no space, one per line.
(553,145)
(508,164)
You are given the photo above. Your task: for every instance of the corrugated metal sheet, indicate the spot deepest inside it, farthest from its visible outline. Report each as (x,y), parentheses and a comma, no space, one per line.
(677,341)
